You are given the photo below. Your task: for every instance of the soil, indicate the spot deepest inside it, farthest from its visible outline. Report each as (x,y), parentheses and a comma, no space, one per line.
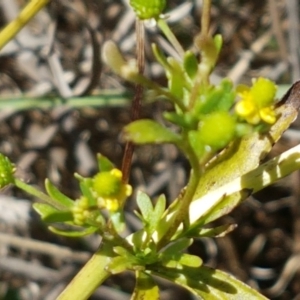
(58,55)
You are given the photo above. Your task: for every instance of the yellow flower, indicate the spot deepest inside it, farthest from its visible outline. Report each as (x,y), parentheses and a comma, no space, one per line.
(257,103)
(109,189)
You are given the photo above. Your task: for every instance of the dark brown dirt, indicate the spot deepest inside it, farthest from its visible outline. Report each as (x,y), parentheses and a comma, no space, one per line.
(54,143)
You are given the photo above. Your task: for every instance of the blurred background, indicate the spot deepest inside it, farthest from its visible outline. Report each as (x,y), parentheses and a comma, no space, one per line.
(60,106)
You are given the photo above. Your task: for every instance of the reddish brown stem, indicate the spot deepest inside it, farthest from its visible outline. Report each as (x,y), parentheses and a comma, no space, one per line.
(138,95)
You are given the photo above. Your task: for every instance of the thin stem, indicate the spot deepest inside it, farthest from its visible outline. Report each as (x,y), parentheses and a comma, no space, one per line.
(107,98)
(164,27)
(204,67)
(182,212)
(160,90)
(28,12)
(138,95)
(205,18)
(36,193)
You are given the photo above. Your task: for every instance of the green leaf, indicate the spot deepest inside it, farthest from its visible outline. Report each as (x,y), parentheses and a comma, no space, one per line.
(177,80)
(44,209)
(197,143)
(190,64)
(178,260)
(118,220)
(104,164)
(145,205)
(216,232)
(186,120)
(221,207)
(150,216)
(137,239)
(159,210)
(121,251)
(145,288)
(218,98)
(61,216)
(160,57)
(209,284)
(166,221)
(176,247)
(74,233)
(55,194)
(50,214)
(189,260)
(120,264)
(148,131)
(85,187)
(218,40)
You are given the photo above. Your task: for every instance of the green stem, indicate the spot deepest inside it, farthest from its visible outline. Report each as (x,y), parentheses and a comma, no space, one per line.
(36,193)
(90,277)
(205,18)
(28,12)
(137,99)
(156,87)
(107,98)
(204,68)
(182,212)
(164,27)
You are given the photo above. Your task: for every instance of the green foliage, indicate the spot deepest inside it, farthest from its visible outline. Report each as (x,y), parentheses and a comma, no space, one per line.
(104,164)
(55,194)
(208,284)
(214,126)
(85,215)
(148,131)
(150,216)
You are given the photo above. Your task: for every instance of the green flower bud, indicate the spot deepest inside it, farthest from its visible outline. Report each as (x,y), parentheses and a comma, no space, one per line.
(217,129)
(107,184)
(147,9)
(7,170)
